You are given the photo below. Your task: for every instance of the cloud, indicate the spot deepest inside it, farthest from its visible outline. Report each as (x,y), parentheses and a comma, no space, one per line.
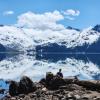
(43,21)
(8,13)
(71,12)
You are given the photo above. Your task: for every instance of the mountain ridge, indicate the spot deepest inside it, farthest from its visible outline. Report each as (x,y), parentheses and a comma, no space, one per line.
(23,39)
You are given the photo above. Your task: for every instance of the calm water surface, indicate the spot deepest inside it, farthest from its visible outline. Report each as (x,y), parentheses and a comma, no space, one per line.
(85,66)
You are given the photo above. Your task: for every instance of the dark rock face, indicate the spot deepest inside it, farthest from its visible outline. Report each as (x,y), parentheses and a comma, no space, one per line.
(71,28)
(25,86)
(49,77)
(13,88)
(53,81)
(97,28)
(43,81)
(56,82)
(94,86)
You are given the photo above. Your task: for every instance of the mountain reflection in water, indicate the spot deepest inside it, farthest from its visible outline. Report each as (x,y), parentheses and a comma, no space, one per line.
(86,66)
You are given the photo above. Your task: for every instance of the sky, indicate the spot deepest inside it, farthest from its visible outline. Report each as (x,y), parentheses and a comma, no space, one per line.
(75,13)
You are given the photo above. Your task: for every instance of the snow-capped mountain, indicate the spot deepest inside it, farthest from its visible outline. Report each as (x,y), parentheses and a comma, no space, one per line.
(87,41)
(97,28)
(28,38)
(14,38)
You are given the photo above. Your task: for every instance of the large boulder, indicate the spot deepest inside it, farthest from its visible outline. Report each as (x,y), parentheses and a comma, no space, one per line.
(52,81)
(13,88)
(26,85)
(56,82)
(90,85)
(49,77)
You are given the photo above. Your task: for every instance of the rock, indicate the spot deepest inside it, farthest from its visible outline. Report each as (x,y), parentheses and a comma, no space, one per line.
(90,85)
(8,96)
(43,81)
(49,93)
(13,98)
(71,80)
(70,87)
(20,99)
(26,85)
(44,89)
(21,95)
(13,88)
(56,82)
(39,85)
(85,97)
(69,96)
(27,98)
(53,88)
(52,82)
(49,77)
(77,97)
(33,95)
(64,98)
(98,98)
(57,91)
(59,96)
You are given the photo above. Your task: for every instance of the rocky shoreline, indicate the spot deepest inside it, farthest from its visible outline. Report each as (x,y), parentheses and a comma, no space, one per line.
(53,87)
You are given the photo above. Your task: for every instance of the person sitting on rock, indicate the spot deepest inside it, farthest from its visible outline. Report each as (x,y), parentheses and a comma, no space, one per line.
(59,73)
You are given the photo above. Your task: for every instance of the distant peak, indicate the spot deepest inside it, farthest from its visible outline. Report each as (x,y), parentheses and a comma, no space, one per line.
(71,28)
(97,28)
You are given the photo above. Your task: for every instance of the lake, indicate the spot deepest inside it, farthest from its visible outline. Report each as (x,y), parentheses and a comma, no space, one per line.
(15,65)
